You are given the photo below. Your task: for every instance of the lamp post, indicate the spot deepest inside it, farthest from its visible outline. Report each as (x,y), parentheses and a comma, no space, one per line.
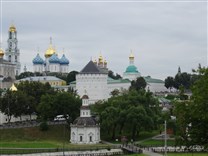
(165,138)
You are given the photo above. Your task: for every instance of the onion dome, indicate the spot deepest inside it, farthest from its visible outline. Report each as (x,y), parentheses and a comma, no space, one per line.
(1,53)
(64,60)
(38,60)
(51,50)
(85,121)
(54,59)
(131,56)
(100,59)
(12,28)
(13,88)
(131,69)
(105,62)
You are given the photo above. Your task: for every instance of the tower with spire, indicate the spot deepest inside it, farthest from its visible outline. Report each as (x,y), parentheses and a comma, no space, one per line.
(12,51)
(131,72)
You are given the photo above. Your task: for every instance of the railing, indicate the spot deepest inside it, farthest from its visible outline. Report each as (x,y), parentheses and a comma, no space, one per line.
(60,151)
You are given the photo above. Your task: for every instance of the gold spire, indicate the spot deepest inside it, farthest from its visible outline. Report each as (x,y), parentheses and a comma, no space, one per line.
(95,61)
(13,88)
(1,53)
(51,50)
(131,56)
(12,28)
(105,62)
(100,58)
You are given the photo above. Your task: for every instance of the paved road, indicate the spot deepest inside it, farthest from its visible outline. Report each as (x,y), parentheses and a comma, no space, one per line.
(150,153)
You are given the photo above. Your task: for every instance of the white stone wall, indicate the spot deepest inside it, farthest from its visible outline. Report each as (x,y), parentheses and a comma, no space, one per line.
(157,87)
(94,85)
(4,118)
(64,68)
(119,86)
(131,76)
(81,135)
(7,70)
(38,68)
(54,67)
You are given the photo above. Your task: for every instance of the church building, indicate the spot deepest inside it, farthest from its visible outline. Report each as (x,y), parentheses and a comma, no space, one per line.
(52,62)
(85,129)
(131,72)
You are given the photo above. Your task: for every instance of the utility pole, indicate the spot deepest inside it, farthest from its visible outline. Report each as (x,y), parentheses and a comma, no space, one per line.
(165,138)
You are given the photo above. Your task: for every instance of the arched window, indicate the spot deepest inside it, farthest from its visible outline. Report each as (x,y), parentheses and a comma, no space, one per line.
(80,138)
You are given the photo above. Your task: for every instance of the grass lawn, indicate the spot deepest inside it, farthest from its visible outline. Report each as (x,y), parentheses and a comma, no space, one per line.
(187,154)
(34,138)
(152,142)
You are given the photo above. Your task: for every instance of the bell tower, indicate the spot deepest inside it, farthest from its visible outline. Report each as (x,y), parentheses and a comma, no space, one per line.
(12,51)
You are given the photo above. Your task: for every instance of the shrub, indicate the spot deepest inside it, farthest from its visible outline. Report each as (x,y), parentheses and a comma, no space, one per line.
(44,126)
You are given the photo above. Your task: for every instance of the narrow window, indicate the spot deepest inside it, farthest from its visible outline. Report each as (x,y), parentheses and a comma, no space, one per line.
(80,138)
(90,138)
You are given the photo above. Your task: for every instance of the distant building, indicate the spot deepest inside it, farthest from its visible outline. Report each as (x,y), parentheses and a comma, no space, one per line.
(94,79)
(52,62)
(85,129)
(131,72)
(155,85)
(52,80)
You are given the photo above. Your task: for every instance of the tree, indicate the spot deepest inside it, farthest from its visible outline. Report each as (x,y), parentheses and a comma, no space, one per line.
(24,75)
(139,84)
(192,118)
(169,82)
(113,76)
(62,103)
(71,76)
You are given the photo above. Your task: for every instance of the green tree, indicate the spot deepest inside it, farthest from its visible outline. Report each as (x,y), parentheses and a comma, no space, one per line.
(169,82)
(192,118)
(71,76)
(139,84)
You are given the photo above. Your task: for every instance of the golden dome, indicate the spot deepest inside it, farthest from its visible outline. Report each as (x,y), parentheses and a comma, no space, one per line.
(51,50)
(12,28)
(13,88)
(131,56)
(105,62)
(1,52)
(100,59)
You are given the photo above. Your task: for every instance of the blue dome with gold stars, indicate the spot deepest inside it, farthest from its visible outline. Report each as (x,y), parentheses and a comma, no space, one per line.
(38,60)
(54,59)
(64,60)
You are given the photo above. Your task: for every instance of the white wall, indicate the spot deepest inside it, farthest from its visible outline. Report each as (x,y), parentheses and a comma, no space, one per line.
(94,85)
(85,132)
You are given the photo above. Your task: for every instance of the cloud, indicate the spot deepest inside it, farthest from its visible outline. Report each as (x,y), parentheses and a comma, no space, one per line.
(163,36)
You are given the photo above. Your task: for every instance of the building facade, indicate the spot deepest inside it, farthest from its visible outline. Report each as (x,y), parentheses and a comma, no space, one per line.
(52,62)
(85,129)
(131,72)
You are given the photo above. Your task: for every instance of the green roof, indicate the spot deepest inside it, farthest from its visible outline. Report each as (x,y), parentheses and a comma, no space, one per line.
(148,79)
(112,81)
(131,69)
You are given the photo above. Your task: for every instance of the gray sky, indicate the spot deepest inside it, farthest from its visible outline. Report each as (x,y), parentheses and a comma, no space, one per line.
(162,35)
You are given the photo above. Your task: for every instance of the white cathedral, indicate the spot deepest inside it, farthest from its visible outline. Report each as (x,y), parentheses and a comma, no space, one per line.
(51,63)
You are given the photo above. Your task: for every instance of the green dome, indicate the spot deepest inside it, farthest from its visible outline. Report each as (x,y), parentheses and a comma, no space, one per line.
(131,69)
